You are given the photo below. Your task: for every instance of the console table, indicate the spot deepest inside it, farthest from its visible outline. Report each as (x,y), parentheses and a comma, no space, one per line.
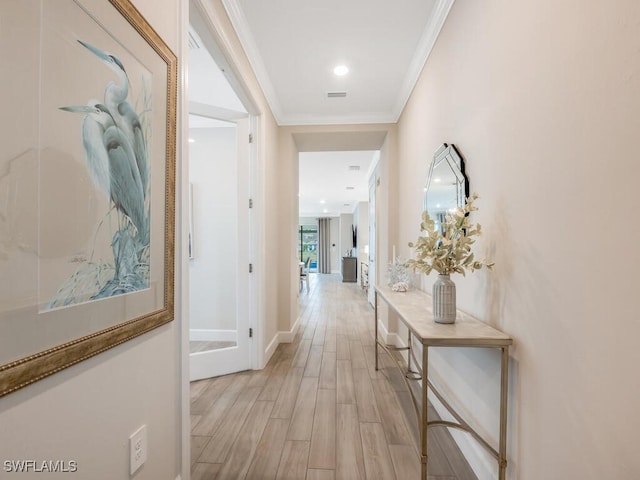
(414,308)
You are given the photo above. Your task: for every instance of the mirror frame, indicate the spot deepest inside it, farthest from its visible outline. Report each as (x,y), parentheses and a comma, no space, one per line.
(449,154)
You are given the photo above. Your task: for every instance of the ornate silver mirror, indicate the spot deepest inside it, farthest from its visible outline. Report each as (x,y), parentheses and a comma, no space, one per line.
(447,186)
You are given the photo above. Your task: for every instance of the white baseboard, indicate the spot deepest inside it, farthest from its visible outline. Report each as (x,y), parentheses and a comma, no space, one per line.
(278,338)
(212,335)
(287,337)
(271,348)
(389,338)
(395,340)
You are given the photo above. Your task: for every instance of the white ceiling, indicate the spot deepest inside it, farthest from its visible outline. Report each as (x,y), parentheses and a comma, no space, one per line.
(293,46)
(330,184)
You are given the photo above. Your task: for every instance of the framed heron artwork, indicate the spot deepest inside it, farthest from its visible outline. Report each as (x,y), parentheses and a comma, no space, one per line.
(87,183)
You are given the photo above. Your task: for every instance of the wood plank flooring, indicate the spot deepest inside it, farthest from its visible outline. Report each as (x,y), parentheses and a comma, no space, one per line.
(319,410)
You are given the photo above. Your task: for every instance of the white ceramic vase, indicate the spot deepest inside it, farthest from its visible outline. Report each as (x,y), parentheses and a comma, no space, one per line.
(444,300)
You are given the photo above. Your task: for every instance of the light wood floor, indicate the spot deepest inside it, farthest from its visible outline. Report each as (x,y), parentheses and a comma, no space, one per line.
(319,410)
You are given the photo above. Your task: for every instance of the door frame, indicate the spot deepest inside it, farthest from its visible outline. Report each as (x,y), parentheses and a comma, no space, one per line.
(373,181)
(197,11)
(240,357)
(202,18)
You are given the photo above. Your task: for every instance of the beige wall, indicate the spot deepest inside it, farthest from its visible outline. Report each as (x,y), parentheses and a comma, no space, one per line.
(287,221)
(269,165)
(87,412)
(542,99)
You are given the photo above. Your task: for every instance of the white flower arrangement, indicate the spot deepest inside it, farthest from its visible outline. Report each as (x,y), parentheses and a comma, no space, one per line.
(448,250)
(399,275)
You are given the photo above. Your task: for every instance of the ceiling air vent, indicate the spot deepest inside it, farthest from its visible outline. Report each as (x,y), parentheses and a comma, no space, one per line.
(354,168)
(336,94)
(351,188)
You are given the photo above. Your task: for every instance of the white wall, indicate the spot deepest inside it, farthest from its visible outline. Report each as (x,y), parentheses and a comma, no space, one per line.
(336,257)
(213,271)
(87,412)
(542,100)
(346,238)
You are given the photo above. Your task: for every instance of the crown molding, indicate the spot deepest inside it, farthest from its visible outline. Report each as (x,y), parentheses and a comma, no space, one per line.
(423,51)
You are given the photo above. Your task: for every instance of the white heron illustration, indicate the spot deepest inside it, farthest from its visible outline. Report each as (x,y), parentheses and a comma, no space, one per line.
(116,155)
(122,112)
(112,164)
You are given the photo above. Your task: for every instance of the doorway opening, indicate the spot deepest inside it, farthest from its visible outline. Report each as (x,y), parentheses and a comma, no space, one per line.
(335,185)
(220,293)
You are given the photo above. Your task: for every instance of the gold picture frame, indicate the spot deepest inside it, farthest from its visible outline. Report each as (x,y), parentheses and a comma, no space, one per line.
(44,336)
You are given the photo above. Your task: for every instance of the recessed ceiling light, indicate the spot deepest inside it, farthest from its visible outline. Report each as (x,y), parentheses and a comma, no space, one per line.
(325,211)
(191,140)
(437,180)
(322,201)
(341,70)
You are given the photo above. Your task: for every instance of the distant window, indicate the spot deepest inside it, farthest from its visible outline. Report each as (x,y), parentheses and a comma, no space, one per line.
(308,244)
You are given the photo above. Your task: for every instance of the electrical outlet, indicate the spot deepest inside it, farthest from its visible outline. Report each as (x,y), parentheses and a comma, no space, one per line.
(138,449)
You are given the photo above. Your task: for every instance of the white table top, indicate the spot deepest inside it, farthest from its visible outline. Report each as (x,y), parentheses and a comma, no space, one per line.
(415,308)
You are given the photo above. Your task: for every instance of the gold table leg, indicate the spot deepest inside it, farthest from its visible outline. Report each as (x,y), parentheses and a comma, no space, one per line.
(375,321)
(504,382)
(425,420)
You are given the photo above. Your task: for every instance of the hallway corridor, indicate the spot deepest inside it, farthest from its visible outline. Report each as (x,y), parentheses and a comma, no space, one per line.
(319,410)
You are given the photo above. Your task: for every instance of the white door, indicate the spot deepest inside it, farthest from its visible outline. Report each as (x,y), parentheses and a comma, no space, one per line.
(373,183)
(219,287)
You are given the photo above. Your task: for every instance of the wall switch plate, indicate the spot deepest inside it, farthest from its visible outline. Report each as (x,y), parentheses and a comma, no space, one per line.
(138,449)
